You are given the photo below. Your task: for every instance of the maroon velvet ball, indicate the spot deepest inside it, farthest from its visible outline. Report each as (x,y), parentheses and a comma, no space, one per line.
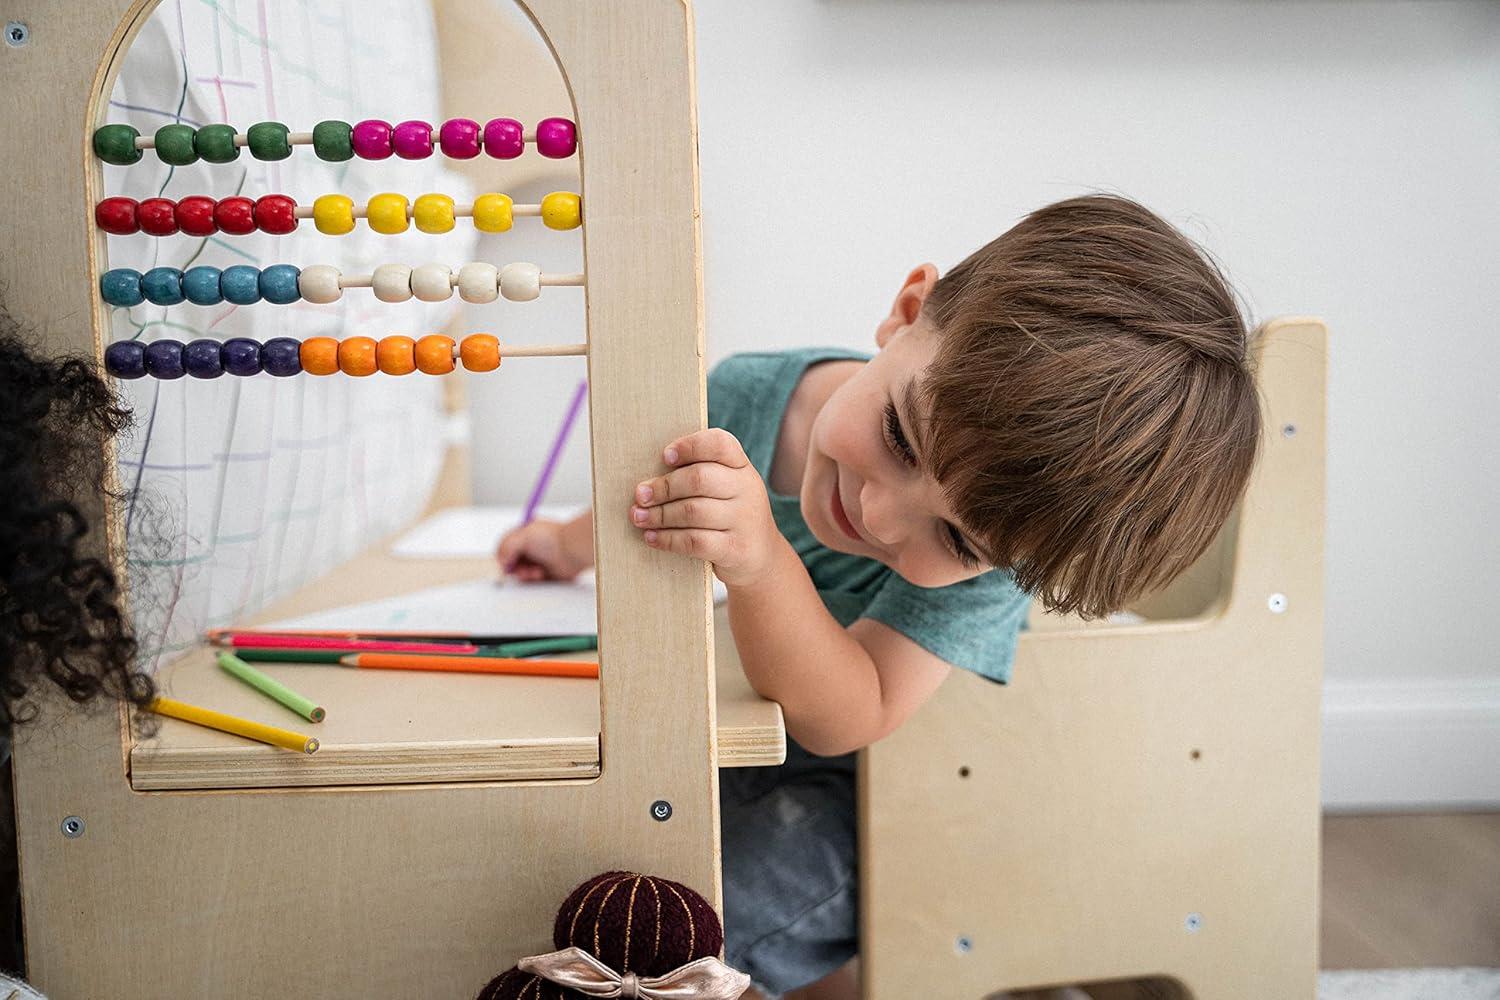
(669,924)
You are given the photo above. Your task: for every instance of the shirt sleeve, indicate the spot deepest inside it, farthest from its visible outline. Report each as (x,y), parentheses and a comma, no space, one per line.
(972,624)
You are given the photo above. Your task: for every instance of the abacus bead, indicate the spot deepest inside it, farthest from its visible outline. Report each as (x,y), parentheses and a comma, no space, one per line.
(241,356)
(520,282)
(275,214)
(116,144)
(281,356)
(164,359)
(125,359)
(478,282)
(562,210)
(195,215)
(492,213)
(157,216)
(459,138)
(202,358)
(117,215)
(357,356)
(200,285)
(121,286)
(504,138)
(320,283)
(412,140)
(371,139)
(278,284)
(433,213)
(215,144)
(320,356)
(434,354)
(391,282)
(162,286)
(268,141)
(235,215)
(333,214)
(480,352)
(174,145)
(396,355)
(386,213)
(432,282)
(556,138)
(332,141)
(240,284)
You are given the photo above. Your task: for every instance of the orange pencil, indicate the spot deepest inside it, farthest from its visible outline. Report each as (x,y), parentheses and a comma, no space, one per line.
(473,664)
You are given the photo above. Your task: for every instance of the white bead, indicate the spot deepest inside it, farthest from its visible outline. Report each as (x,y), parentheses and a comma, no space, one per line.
(432,282)
(478,282)
(320,283)
(520,282)
(392,282)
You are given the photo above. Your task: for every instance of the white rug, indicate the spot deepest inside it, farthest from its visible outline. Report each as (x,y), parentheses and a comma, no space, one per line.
(1411,984)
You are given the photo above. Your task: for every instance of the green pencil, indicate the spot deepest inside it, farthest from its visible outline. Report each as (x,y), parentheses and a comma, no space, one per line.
(292,655)
(530,647)
(271,687)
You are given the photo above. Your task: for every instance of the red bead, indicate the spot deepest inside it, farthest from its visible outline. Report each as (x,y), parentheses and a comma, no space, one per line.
(195,215)
(235,215)
(158,216)
(117,215)
(275,214)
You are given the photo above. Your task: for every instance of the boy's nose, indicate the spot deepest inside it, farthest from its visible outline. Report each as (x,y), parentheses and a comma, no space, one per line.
(879,511)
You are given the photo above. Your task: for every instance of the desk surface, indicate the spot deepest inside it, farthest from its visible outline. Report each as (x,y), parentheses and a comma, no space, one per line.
(404,727)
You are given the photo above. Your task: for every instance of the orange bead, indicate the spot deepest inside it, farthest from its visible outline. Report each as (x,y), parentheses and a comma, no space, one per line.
(320,356)
(480,352)
(357,356)
(435,354)
(396,355)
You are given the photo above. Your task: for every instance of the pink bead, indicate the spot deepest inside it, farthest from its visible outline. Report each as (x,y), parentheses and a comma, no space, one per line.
(556,138)
(412,140)
(504,138)
(372,139)
(459,138)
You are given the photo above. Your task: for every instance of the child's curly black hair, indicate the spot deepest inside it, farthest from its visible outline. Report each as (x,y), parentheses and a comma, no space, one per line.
(59,615)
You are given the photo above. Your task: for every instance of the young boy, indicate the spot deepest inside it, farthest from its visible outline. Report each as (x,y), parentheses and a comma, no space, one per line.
(1068,415)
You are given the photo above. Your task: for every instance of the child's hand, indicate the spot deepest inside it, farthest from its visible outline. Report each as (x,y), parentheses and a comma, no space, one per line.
(541,550)
(712,505)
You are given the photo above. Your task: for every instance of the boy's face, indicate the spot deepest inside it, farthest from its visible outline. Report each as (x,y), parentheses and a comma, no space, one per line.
(862,490)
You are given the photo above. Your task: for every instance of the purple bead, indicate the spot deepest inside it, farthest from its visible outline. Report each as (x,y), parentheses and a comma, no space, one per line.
(459,138)
(412,140)
(556,138)
(504,138)
(202,359)
(164,359)
(371,139)
(125,359)
(282,356)
(241,356)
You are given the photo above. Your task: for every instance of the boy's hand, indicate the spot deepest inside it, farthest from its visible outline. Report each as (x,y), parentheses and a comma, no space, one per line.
(542,550)
(712,505)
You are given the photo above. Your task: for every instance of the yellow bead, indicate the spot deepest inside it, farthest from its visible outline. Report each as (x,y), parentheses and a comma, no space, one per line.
(492,213)
(562,210)
(433,213)
(387,213)
(333,214)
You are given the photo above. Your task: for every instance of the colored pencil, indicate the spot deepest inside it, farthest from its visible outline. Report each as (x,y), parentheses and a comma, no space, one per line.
(526,647)
(270,686)
(240,640)
(548,467)
(530,647)
(251,655)
(474,664)
(210,719)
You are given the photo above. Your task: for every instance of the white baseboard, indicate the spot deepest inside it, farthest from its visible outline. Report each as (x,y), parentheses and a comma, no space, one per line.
(1407,745)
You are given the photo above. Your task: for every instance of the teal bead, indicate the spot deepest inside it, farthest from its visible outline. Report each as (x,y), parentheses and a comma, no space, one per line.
(116,144)
(278,284)
(268,141)
(121,286)
(240,284)
(162,286)
(174,145)
(215,143)
(332,141)
(200,285)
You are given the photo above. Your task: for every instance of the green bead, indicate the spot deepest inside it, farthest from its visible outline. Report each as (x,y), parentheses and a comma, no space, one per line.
(116,144)
(331,141)
(268,141)
(215,143)
(174,145)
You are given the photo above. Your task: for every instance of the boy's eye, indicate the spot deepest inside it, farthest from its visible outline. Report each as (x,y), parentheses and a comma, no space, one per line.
(956,546)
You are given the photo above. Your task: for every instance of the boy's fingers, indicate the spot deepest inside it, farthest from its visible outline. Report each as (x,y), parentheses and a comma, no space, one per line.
(712,445)
(701,479)
(697,512)
(701,543)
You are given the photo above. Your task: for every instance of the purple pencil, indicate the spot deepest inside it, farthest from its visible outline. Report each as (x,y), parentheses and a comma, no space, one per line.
(550,465)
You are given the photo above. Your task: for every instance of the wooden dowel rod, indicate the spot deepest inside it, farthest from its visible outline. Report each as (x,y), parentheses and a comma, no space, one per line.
(544,351)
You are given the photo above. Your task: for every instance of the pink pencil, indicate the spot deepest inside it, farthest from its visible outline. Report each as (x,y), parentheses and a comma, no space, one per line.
(262,641)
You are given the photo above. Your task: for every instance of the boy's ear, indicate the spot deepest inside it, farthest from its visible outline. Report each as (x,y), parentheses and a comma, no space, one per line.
(908,304)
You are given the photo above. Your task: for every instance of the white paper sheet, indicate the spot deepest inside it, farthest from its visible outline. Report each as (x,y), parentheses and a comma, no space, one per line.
(467,532)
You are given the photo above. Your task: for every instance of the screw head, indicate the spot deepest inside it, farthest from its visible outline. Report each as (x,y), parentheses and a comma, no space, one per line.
(1193,922)
(1289,430)
(1277,603)
(16,34)
(963,945)
(72,827)
(661,810)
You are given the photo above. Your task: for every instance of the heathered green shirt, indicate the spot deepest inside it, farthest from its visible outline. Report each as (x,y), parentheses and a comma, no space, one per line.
(972,624)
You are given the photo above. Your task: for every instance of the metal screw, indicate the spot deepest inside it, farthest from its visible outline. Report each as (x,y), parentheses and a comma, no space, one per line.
(1193,922)
(963,772)
(17,34)
(661,810)
(72,827)
(1289,430)
(1277,603)
(963,945)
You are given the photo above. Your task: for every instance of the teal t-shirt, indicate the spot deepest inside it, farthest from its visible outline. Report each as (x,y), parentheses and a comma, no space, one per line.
(971,624)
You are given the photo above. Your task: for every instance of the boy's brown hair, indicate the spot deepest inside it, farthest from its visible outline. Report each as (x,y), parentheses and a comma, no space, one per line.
(1093,415)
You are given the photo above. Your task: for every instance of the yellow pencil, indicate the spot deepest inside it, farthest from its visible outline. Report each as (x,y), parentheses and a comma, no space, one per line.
(234,724)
